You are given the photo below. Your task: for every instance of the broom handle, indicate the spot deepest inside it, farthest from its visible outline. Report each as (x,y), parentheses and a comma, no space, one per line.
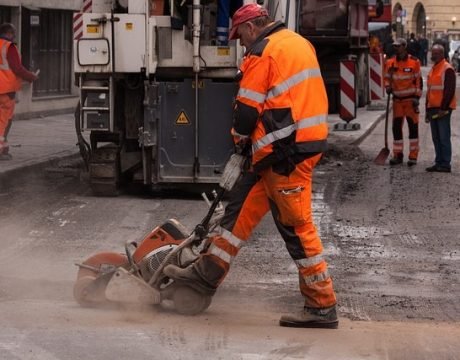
(386,121)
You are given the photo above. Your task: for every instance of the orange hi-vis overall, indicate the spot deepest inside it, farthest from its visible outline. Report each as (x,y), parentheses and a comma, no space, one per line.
(435,86)
(405,80)
(283,95)
(9,83)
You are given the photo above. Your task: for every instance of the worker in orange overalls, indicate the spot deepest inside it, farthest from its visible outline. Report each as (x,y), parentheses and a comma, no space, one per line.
(11,73)
(281,107)
(403,79)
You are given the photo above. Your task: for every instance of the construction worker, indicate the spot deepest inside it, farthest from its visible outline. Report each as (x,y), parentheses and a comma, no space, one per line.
(11,73)
(440,101)
(403,79)
(281,109)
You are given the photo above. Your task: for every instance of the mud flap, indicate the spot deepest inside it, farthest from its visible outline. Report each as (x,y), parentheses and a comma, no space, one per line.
(125,287)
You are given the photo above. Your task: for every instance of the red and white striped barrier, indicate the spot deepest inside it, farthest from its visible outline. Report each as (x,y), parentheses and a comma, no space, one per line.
(347,110)
(376,86)
(78,19)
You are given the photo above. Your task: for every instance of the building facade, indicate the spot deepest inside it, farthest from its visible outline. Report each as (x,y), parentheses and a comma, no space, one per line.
(45,40)
(431,18)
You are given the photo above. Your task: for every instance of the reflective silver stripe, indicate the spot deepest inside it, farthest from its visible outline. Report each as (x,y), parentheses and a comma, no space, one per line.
(222,29)
(288,130)
(316,278)
(436,87)
(221,254)
(292,81)
(403,77)
(311,261)
(398,141)
(4,65)
(405,92)
(232,239)
(252,95)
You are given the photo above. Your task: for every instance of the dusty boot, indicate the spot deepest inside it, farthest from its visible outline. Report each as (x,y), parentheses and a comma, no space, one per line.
(312,318)
(396,160)
(412,162)
(191,277)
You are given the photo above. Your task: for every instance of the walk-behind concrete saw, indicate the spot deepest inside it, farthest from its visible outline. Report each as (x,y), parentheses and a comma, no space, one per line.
(137,275)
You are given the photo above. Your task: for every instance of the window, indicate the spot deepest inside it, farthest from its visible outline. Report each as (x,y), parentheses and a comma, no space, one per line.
(5,14)
(50,50)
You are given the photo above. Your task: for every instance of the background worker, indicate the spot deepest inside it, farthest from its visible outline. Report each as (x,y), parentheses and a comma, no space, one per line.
(281,107)
(440,101)
(11,73)
(403,79)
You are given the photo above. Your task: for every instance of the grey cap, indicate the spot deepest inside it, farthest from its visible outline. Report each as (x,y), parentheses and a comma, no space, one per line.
(400,41)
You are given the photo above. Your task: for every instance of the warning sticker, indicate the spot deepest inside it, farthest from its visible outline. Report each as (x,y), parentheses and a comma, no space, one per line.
(92,29)
(223,51)
(182,119)
(129,26)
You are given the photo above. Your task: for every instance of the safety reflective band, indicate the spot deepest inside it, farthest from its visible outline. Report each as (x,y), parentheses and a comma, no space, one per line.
(232,239)
(4,61)
(436,87)
(413,144)
(292,81)
(405,77)
(252,95)
(221,254)
(308,262)
(405,92)
(316,278)
(288,130)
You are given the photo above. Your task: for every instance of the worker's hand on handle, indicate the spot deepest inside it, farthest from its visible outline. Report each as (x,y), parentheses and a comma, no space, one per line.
(388,90)
(415,105)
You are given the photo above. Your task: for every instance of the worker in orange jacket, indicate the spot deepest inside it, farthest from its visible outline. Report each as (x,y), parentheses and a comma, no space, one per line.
(281,109)
(440,101)
(11,73)
(403,79)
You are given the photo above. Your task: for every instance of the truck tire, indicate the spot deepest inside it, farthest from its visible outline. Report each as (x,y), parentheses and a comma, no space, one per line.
(104,171)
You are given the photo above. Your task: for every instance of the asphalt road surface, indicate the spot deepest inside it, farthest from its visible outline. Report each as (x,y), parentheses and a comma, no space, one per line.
(391,236)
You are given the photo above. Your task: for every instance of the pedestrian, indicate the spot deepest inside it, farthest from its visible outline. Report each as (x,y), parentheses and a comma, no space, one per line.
(440,101)
(388,47)
(11,73)
(424,50)
(413,46)
(282,107)
(403,79)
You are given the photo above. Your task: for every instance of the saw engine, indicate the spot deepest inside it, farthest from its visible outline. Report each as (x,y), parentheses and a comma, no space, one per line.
(137,277)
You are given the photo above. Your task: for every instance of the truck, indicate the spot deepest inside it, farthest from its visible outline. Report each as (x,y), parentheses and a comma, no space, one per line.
(157,83)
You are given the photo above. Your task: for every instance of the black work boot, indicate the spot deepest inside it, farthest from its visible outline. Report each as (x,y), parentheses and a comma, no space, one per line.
(411,162)
(312,318)
(190,277)
(396,160)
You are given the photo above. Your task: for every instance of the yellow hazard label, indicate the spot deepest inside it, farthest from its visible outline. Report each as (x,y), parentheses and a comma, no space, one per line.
(92,29)
(200,84)
(129,26)
(182,119)
(223,51)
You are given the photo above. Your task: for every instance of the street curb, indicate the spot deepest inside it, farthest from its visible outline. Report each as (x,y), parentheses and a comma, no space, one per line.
(9,177)
(361,138)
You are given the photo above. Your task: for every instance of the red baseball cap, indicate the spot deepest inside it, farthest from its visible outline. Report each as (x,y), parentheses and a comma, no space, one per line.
(243,14)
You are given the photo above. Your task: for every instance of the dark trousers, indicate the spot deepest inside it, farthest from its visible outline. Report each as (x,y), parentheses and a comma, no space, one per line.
(440,133)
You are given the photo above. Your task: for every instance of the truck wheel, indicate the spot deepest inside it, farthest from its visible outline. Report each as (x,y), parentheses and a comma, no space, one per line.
(190,302)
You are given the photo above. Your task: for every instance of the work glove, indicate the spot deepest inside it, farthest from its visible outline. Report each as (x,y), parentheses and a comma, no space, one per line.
(415,105)
(244,147)
(388,90)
